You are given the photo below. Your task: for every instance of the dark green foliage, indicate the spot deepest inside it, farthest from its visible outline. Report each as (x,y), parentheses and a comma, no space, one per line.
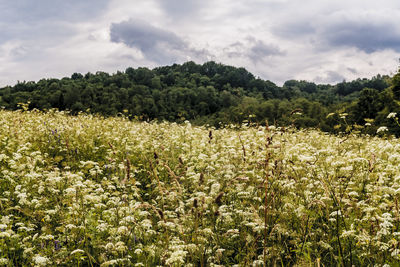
(368,105)
(396,86)
(210,93)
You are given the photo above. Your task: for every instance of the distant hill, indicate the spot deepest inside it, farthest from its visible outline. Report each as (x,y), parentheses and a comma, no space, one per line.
(213,94)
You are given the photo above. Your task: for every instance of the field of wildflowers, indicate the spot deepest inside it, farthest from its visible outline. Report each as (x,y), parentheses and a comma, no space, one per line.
(87,191)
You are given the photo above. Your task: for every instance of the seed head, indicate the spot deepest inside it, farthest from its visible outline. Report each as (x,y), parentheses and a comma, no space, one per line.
(201,180)
(219,198)
(161,213)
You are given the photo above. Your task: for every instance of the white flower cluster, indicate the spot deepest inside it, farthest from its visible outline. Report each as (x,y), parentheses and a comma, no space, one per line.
(108,191)
(382,129)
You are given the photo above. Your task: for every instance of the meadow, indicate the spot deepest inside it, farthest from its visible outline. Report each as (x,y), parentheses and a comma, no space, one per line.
(87,191)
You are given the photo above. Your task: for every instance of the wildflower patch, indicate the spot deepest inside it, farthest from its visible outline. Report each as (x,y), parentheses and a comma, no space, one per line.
(88,190)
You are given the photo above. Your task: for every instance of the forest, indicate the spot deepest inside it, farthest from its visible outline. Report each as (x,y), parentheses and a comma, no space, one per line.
(93,172)
(216,94)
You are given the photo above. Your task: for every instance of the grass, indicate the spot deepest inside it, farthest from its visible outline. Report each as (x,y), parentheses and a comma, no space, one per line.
(87,191)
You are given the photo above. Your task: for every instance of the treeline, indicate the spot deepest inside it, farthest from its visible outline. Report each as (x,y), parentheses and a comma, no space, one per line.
(214,94)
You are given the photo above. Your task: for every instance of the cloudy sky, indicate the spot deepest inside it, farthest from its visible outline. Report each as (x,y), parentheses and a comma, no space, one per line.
(324,41)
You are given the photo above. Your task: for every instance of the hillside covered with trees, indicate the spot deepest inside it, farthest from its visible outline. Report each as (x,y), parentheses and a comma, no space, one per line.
(216,94)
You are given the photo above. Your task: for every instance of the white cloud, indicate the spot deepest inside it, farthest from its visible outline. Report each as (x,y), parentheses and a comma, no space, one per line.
(318,40)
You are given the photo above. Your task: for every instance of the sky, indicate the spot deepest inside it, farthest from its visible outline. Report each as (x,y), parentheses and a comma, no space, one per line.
(324,41)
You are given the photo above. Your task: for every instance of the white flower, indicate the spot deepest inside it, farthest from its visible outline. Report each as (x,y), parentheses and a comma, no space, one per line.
(123,230)
(70,226)
(70,191)
(177,257)
(129,219)
(258,263)
(41,261)
(395,252)
(77,251)
(220,250)
(391,115)
(109,246)
(120,247)
(47,237)
(232,231)
(215,188)
(146,224)
(110,263)
(5,234)
(382,129)
(102,227)
(207,231)
(348,233)
(330,114)
(386,225)
(5,219)
(335,213)
(353,194)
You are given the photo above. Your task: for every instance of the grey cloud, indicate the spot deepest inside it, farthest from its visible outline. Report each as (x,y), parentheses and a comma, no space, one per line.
(156,44)
(294,29)
(260,50)
(352,70)
(235,50)
(366,36)
(144,36)
(45,21)
(25,11)
(180,9)
(330,77)
(253,49)
(368,31)
(38,31)
(19,53)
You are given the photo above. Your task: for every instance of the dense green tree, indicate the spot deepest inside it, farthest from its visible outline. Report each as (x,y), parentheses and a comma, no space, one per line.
(210,93)
(72,95)
(368,105)
(396,86)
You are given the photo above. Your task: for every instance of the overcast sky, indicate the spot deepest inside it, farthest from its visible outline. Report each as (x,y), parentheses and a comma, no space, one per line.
(324,41)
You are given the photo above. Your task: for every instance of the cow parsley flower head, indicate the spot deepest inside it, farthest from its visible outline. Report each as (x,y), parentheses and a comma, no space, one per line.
(382,129)
(41,261)
(77,251)
(123,230)
(391,115)
(177,257)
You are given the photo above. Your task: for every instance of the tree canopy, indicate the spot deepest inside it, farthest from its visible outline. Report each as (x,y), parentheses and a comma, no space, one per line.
(213,94)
